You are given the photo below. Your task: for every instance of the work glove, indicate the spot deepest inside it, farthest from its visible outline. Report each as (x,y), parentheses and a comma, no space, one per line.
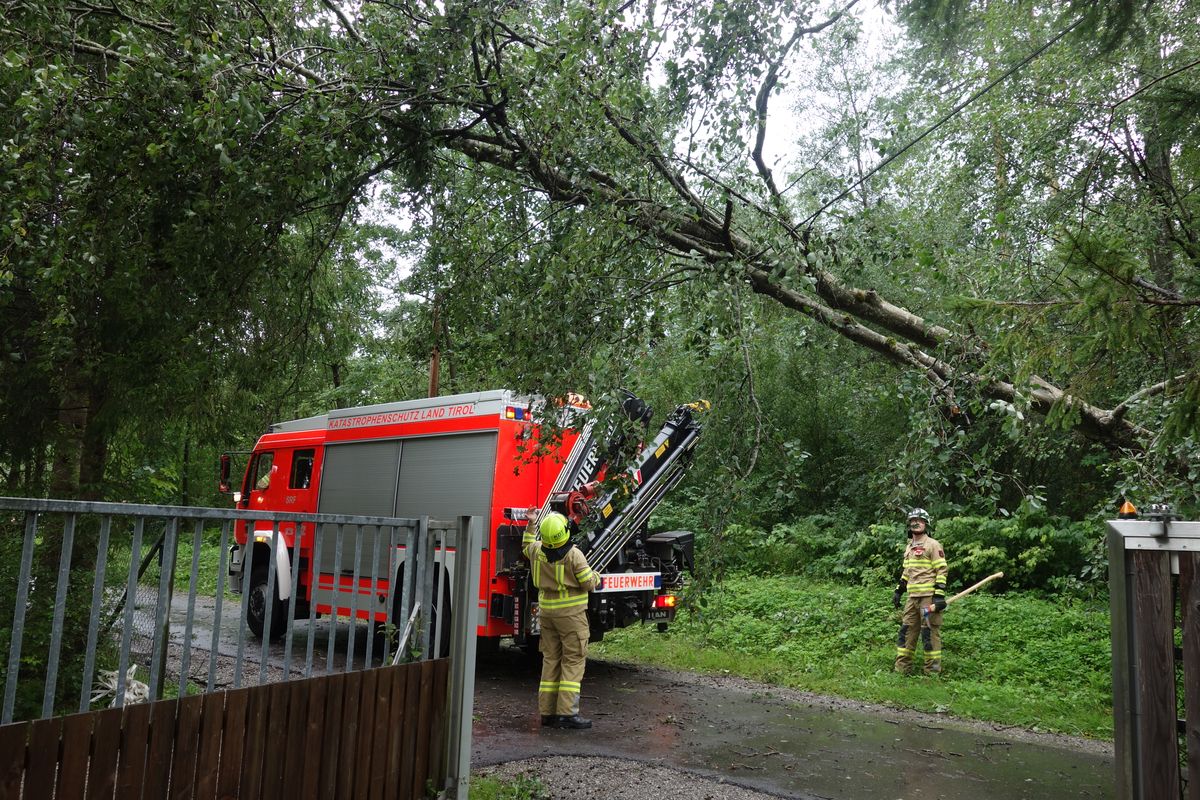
(900,589)
(939,602)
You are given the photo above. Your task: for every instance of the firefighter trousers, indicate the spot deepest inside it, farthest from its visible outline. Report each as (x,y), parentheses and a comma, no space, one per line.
(564,655)
(912,624)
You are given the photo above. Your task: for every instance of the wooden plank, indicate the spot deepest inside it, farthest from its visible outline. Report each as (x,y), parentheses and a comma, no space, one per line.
(76,750)
(334,697)
(106,749)
(1189,601)
(42,764)
(131,763)
(424,719)
(1156,756)
(162,740)
(349,736)
(409,735)
(257,710)
(233,742)
(275,747)
(187,747)
(379,737)
(297,728)
(395,733)
(437,728)
(314,738)
(366,729)
(208,756)
(13,739)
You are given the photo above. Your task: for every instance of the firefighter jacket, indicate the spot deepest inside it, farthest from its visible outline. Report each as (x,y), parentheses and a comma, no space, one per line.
(925,567)
(563,584)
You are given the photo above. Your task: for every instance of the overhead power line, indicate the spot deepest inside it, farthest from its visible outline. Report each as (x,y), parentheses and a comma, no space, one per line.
(946,118)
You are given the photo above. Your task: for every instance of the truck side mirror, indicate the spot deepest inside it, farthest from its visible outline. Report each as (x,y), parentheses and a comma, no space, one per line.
(223,484)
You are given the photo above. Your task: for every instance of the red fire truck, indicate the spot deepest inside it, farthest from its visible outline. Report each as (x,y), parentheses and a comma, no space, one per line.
(470,454)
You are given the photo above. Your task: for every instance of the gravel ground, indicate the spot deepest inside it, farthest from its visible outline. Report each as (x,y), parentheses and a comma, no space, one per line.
(578,778)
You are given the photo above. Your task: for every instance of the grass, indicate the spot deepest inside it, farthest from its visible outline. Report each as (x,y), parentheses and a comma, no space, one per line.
(1011,659)
(210,564)
(521,787)
(207,573)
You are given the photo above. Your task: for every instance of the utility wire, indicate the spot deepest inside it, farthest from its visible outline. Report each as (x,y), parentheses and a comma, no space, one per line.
(949,116)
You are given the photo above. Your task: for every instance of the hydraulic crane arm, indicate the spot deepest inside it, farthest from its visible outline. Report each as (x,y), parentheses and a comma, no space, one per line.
(587,462)
(657,469)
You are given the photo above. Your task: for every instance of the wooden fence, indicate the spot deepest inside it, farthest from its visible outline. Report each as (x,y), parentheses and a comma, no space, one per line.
(1154,569)
(371,734)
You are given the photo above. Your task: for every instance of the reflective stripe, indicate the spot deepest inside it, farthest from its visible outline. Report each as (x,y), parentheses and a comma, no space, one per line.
(903,651)
(565,602)
(933,654)
(548,686)
(585,575)
(919,587)
(568,686)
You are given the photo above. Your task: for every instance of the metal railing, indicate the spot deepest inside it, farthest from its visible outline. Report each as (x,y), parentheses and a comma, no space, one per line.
(99,585)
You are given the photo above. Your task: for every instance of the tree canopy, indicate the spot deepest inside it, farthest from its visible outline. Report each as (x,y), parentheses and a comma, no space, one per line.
(972,272)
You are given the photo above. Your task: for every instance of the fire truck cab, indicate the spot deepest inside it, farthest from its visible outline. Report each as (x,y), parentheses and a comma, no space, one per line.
(469,454)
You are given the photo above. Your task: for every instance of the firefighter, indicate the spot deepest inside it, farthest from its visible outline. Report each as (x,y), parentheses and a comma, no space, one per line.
(563,579)
(924,578)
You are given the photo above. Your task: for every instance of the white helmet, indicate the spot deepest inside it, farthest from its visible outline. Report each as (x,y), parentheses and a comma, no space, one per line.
(921,514)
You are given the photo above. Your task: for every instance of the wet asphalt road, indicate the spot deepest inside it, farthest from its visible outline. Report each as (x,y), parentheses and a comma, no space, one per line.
(778,741)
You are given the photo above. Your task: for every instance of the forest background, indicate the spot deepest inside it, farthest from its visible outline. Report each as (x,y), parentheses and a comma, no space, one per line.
(965,279)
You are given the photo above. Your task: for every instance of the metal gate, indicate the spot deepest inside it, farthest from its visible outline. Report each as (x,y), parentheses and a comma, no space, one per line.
(116,604)
(1154,583)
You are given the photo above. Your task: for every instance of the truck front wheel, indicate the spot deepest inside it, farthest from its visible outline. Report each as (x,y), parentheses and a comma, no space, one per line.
(256,606)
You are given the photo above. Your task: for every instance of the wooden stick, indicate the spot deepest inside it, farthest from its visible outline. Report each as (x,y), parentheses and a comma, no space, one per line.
(967,591)
(970,589)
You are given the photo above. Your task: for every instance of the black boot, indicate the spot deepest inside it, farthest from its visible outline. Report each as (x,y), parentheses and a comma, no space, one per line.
(574,721)
(551,721)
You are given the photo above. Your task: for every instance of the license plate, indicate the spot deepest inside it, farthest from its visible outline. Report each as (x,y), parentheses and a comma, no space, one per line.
(659,613)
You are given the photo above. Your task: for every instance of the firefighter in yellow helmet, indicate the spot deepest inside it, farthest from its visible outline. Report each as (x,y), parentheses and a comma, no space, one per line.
(563,579)
(924,578)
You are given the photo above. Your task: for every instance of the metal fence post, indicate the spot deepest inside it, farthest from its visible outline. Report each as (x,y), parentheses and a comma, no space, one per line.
(1144,557)
(462,656)
(18,626)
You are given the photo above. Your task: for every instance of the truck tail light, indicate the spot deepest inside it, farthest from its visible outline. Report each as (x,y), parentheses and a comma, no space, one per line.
(664,601)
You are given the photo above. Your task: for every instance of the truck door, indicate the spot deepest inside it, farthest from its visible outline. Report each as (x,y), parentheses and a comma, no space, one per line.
(298,494)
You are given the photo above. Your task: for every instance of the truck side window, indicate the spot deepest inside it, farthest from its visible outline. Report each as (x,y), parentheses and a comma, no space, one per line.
(262,470)
(302,467)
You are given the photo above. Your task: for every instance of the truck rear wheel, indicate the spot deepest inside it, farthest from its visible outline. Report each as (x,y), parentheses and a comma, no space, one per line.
(256,606)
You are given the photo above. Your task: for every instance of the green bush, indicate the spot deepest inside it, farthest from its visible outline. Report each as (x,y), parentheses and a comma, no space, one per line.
(1035,551)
